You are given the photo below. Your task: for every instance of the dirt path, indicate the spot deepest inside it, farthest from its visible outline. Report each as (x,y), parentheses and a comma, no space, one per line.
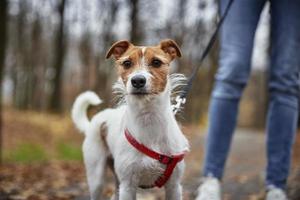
(243,178)
(66,180)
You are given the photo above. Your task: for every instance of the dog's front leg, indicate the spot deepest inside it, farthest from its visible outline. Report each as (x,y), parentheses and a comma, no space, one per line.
(173,191)
(127,191)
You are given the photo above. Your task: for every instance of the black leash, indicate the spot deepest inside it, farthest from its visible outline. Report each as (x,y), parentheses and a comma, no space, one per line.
(181,98)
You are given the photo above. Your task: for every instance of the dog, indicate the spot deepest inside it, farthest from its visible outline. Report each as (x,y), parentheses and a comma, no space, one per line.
(141,134)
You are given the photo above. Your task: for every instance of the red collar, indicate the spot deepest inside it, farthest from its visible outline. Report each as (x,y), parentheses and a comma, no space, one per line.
(169,161)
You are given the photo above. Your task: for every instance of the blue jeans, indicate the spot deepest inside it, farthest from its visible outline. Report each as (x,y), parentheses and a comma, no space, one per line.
(237,36)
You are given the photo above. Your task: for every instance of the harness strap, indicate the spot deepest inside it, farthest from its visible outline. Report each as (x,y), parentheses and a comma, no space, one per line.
(169,161)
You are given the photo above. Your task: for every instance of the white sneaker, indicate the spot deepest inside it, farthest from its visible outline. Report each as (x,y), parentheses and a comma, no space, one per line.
(276,194)
(210,189)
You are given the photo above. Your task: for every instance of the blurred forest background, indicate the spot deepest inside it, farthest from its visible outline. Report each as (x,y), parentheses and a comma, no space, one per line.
(52,50)
(55,50)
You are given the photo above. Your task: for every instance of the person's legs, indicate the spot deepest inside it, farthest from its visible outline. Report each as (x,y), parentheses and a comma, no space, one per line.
(237,36)
(284,89)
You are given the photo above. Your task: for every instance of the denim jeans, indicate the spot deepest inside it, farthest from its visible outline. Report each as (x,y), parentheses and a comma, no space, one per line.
(236,40)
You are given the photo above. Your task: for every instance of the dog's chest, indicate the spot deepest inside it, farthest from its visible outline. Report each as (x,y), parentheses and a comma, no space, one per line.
(148,171)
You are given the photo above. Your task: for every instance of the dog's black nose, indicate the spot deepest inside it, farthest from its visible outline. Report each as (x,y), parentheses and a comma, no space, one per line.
(138,81)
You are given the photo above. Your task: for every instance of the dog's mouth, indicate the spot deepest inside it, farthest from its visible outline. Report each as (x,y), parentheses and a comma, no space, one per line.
(139,93)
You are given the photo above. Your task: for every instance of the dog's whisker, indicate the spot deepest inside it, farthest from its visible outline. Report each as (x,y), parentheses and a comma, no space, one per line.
(178,81)
(120,92)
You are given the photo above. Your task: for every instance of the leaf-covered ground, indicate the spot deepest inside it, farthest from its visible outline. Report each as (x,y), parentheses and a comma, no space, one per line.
(43,161)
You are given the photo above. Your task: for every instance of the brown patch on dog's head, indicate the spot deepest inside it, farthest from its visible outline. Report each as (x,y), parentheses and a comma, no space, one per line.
(151,60)
(129,62)
(158,68)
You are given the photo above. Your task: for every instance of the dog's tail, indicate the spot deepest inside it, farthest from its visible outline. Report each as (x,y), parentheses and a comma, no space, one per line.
(80,106)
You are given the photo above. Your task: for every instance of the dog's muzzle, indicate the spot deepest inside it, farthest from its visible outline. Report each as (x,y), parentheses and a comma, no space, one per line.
(138,83)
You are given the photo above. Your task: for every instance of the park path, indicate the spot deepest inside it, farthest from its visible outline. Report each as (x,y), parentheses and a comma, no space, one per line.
(243,175)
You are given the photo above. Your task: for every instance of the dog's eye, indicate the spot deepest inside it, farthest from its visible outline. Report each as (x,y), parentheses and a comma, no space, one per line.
(127,64)
(156,63)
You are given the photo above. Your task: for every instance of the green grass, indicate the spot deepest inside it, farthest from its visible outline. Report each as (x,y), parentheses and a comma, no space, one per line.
(69,151)
(30,152)
(48,137)
(26,152)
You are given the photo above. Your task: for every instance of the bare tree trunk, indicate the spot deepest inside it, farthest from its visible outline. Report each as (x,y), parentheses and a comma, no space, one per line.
(86,53)
(3,22)
(136,33)
(22,60)
(102,73)
(56,95)
(37,77)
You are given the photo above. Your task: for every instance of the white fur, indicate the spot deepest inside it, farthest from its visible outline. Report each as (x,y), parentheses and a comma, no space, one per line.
(151,121)
(80,106)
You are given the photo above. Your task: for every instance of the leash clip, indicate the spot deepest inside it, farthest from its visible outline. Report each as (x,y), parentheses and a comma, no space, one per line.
(179,102)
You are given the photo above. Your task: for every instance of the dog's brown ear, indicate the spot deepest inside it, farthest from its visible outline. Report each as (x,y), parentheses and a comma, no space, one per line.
(170,47)
(118,49)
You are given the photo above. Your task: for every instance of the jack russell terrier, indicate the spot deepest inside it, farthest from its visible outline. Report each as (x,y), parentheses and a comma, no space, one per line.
(141,135)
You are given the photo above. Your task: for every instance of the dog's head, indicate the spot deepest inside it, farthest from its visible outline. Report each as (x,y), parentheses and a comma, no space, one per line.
(144,70)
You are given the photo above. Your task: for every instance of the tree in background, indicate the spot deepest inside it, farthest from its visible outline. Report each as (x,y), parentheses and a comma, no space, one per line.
(38,64)
(108,10)
(3,22)
(59,49)
(22,43)
(27,57)
(136,34)
(86,49)
(86,55)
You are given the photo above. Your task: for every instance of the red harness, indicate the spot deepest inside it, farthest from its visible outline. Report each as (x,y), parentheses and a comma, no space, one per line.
(169,161)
